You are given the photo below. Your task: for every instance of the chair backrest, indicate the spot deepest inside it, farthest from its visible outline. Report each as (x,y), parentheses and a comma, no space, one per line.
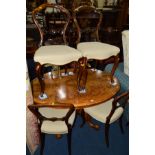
(87,19)
(122,97)
(42,112)
(52,25)
(85,2)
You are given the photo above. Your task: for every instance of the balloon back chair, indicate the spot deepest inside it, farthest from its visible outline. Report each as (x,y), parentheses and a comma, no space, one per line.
(53,46)
(108,112)
(54,118)
(88,20)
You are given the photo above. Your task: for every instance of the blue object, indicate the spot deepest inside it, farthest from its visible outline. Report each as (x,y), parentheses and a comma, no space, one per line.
(124,82)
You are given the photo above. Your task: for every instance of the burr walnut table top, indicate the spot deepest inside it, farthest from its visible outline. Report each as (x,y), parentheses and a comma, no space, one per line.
(64,90)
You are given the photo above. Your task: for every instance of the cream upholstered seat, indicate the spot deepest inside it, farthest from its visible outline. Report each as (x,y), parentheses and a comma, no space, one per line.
(101,111)
(53,47)
(97,50)
(88,20)
(109,112)
(54,119)
(56,54)
(57,127)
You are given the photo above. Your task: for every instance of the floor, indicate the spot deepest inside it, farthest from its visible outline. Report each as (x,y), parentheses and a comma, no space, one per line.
(88,141)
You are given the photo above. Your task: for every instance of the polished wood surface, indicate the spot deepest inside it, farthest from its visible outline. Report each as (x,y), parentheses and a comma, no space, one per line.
(64,90)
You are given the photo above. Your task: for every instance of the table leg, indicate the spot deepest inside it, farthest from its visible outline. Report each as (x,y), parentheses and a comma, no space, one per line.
(82,74)
(58,136)
(90,123)
(87,118)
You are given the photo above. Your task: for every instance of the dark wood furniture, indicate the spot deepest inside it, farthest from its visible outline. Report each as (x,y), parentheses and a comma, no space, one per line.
(52,29)
(53,46)
(65,90)
(88,21)
(115,20)
(113,112)
(40,114)
(31,47)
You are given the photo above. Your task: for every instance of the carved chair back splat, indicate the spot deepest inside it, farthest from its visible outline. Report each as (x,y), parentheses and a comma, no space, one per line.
(54,118)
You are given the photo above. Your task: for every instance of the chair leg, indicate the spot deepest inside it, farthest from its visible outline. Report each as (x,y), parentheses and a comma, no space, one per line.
(75,66)
(42,143)
(58,136)
(69,135)
(83,118)
(66,67)
(88,119)
(107,134)
(39,72)
(120,124)
(82,74)
(116,62)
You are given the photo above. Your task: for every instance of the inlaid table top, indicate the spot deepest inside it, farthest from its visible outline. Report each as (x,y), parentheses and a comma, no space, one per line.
(64,90)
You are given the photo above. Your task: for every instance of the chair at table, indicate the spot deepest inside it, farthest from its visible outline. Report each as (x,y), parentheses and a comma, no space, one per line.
(54,118)
(53,47)
(88,20)
(109,112)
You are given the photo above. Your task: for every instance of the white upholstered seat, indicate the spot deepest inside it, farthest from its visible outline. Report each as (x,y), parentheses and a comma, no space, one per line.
(97,50)
(101,111)
(56,54)
(109,112)
(57,127)
(53,47)
(55,119)
(88,20)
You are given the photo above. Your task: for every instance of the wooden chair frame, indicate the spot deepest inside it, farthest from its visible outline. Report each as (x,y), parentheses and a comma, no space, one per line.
(34,109)
(56,6)
(87,118)
(124,96)
(38,66)
(114,59)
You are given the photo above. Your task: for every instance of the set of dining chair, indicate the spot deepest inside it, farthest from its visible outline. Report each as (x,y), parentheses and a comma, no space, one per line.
(59,118)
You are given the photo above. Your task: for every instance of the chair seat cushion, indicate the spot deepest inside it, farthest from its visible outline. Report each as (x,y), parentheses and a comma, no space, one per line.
(57,127)
(56,54)
(101,111)
(97,50)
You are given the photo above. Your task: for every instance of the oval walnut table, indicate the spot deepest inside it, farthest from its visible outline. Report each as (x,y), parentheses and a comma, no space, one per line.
(64,90)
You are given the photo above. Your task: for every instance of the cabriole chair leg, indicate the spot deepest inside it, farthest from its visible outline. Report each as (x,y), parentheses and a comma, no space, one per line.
(107,134)
(83,118)
(116,62)
(69,135)
(120,124)
(42,136)
(82,75)
(39,72)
